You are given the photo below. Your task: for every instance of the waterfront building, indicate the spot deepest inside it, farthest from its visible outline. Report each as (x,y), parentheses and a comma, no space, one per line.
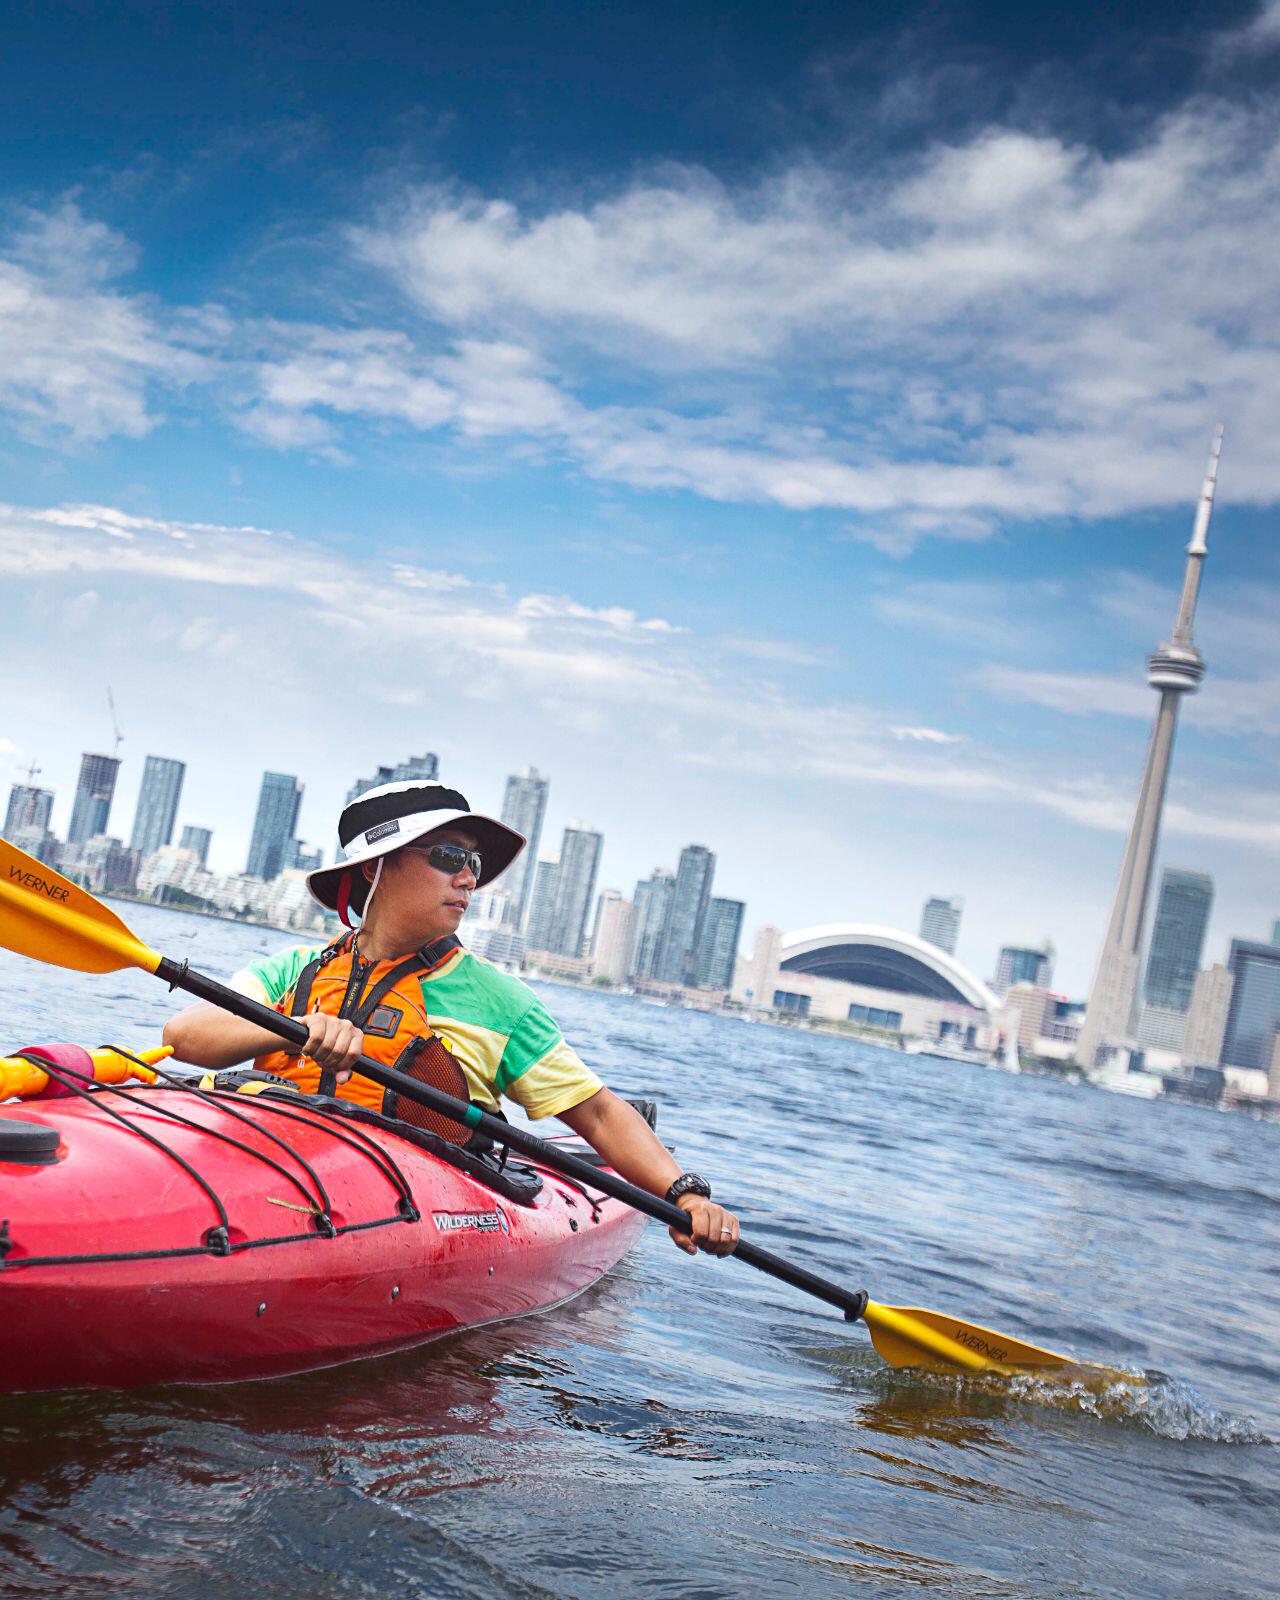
(103,864)
(197,840)
(677,958)
(940,922)
(1177,942)
(721,935)
(1177,937)
(503,944)
(1031,964)
(542,903)
(860,972)
(524,808)
(157,810)
(1275,931)
(613,938)
(298,857)
(1034,1009)
(1254,1012)
(29,807)
(575,889)
(274,826)
(1173,671)
(652,903)
(1273,1075)
(96,789)
(1206,1020)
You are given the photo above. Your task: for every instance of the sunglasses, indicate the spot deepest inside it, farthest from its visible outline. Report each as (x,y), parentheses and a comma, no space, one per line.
(450,858)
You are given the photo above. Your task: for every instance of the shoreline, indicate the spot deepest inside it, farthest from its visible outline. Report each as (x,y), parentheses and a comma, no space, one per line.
(212,916)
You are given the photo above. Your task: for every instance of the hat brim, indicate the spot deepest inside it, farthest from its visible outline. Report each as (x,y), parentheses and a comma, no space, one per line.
(498,845)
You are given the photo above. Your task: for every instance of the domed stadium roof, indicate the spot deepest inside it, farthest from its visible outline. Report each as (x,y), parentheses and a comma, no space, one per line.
(883,958)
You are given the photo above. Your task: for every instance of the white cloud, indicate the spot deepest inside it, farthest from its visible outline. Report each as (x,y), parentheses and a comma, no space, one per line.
(925,736)
(1036,327)
(79,359)
(1010,327)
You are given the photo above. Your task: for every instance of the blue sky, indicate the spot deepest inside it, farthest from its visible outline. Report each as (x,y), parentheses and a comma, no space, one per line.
(782,426)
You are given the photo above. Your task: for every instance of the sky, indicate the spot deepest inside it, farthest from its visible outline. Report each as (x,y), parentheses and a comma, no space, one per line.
(781,426)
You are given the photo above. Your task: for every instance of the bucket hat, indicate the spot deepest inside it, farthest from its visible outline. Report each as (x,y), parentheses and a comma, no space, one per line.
(395,814)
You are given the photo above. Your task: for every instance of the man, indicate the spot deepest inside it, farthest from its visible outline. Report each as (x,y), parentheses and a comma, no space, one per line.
(401,988)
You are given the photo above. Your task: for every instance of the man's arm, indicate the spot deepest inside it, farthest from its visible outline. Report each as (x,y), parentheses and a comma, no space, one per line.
(630,1146)
(207,1036)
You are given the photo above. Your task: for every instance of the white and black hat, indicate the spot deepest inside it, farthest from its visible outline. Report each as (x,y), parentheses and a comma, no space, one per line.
(382,820)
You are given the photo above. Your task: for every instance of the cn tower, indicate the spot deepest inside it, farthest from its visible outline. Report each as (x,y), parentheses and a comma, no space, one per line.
(1174,670)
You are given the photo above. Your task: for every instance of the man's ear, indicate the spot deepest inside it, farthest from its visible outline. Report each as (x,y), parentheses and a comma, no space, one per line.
(368,868)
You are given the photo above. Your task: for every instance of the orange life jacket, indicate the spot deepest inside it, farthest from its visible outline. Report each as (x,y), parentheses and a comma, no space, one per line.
(384,1000)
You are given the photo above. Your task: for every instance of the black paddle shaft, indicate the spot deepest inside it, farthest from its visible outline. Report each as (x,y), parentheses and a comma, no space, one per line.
(178,975)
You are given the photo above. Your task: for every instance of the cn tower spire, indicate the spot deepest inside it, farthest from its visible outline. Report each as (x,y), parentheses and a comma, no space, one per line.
(1175,669)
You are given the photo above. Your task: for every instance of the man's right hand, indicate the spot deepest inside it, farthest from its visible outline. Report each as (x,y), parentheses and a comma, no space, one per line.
(333,1042)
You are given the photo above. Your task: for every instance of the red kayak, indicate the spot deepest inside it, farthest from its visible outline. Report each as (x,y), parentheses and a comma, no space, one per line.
(168,1234)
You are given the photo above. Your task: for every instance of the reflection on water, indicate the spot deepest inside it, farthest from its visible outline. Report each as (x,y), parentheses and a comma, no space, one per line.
(694,1429)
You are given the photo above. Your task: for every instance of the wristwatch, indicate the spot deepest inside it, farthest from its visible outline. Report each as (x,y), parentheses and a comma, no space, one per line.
(688,1183)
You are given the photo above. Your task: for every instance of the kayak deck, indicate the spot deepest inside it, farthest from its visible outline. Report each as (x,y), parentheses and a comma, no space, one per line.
(208,1236)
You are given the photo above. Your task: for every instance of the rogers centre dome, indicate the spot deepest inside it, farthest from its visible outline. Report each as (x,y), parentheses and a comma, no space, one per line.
(886,959)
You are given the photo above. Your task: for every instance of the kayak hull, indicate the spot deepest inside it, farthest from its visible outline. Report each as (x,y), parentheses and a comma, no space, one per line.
(120,1271)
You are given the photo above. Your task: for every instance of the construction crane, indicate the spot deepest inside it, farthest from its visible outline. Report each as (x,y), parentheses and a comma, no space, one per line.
(115,724)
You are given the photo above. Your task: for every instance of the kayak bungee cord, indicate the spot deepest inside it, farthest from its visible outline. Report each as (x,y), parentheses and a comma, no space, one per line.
(216,1241)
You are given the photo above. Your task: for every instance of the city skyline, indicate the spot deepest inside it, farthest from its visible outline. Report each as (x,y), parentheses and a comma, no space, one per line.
(1034,963)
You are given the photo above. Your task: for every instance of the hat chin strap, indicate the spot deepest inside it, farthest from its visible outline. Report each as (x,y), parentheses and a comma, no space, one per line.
(344,894)
(373,889)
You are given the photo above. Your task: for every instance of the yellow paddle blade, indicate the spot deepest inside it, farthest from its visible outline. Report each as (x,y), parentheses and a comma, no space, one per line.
(907,1336)
(47,917)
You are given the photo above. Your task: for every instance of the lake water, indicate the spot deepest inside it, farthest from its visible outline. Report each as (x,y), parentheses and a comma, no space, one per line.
(693,1429)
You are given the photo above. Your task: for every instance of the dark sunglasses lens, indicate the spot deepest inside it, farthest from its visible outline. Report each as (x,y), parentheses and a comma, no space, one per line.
(451,858)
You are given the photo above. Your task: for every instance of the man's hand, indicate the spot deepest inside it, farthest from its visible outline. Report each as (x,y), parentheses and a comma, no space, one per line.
(715,1230)
(333,1042)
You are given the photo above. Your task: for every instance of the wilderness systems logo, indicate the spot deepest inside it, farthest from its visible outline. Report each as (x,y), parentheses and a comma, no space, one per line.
(972,1342)
(29,880)
(470,1221)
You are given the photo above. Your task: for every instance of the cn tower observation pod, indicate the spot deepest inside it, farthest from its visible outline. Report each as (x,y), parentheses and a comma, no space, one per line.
(886,959)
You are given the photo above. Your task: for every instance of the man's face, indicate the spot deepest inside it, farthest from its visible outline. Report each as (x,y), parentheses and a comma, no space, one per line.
(439,899)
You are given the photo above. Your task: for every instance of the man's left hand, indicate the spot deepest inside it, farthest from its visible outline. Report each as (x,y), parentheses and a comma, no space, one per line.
(715,1230)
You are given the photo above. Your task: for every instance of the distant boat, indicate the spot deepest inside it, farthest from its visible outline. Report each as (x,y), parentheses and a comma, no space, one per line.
(1004,1060)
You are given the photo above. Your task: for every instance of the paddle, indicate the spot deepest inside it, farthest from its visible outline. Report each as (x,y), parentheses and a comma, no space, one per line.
(47,917)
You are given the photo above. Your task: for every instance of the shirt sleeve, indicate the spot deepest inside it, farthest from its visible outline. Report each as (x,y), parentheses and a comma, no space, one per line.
(270,978)
(540,1071)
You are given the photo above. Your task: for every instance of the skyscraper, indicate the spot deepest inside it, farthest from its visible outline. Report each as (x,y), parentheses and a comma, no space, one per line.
(157,804)
(275,825)
(652,903)
(721,935)
(524,808)
(940,923)
(542,904)
(1024,964)
(1254,1012)
(613,939)
(1206,1020)
(575,888)
(29,807)
(1174,670)
(197,840)
(95,791)
(677,960)
(1177,937)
